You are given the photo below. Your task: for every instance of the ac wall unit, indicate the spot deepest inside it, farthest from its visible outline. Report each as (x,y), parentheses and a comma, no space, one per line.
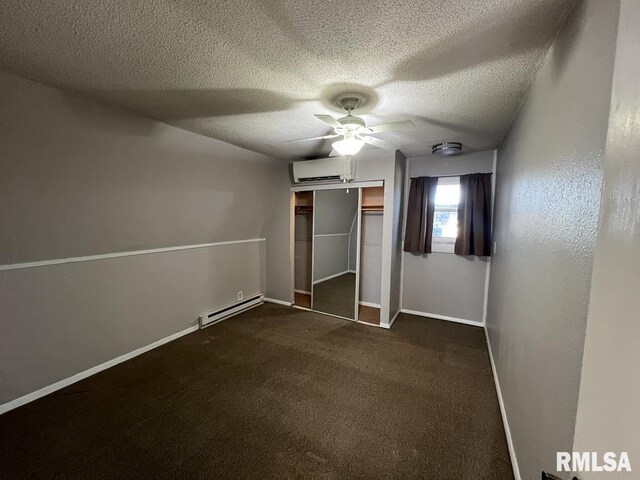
(336,169)
(209,318)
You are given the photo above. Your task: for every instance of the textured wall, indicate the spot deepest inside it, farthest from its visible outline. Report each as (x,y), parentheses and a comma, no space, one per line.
(279,273)
(444,283)
(78,179)
(59,320)
(608,413)
(547,201)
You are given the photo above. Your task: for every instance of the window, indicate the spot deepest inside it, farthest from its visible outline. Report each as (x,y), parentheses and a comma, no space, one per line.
(445,218)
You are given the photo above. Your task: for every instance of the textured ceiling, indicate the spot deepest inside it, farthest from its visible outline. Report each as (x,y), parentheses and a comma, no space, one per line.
(253,73)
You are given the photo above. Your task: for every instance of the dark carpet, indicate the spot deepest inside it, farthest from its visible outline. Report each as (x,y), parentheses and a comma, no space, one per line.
(336,296)
(275,393)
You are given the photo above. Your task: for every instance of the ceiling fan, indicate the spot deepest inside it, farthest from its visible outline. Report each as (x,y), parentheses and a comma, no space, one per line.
(354,131)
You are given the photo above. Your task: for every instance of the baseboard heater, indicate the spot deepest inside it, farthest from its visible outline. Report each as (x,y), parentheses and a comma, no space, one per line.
(209,318)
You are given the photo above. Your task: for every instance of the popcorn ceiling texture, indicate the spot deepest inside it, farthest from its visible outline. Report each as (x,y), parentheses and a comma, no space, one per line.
(253,73)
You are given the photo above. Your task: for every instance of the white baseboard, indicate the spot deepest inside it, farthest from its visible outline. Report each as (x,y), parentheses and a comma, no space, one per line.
(442,317)
(373,324)
(369,304)
(303,292)
(394,318)
(279,302)
(330,277)
(30,397)
(503,412)
(301,308)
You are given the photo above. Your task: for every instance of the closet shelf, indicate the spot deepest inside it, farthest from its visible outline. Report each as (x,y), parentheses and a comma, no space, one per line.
(303,209)
(372,209)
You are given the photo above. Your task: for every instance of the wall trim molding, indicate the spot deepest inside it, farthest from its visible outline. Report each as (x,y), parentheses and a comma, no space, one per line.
(442,317)
(279,302)
(103,256)
(302,291)
(30,397)
(335,186)
(503,412)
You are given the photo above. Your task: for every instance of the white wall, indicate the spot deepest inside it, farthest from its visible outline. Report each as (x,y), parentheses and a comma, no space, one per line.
(371,258)
(608,415)
(443,283)
(80,179)
(331,257)
(547,202)
(279,271)
(303,251)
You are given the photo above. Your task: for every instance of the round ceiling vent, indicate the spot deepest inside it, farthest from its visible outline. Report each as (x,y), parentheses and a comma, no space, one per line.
(447,148)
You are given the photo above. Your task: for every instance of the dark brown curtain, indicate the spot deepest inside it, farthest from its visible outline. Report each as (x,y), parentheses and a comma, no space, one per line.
(422,202)
(474,215)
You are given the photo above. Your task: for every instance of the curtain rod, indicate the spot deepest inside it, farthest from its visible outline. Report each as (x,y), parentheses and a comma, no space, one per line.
(456,175)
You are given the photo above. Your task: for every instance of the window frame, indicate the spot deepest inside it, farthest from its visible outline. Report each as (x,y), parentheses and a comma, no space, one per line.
(444,244)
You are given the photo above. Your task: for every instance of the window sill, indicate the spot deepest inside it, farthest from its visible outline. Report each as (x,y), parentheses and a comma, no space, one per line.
(442,247)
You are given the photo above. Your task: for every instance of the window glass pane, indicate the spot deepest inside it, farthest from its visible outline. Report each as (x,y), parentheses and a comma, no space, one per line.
(445,220)
(447,195)
(445,224)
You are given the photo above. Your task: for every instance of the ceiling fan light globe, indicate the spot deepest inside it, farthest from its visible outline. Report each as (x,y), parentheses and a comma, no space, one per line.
(348,146)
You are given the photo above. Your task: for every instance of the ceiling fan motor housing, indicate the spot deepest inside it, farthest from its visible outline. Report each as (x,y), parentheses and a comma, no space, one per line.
(352,123)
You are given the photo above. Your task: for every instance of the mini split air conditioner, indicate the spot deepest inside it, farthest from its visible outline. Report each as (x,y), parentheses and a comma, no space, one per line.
(336,169)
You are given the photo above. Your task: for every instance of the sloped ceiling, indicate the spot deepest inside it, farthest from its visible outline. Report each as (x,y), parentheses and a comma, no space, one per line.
(253,73)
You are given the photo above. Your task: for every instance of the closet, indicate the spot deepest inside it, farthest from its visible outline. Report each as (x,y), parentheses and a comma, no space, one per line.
(337,250)
(371,211)
(303,248)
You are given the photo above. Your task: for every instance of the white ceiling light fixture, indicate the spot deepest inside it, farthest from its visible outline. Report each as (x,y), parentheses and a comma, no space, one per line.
(447,149)
(349,146)
(354,131)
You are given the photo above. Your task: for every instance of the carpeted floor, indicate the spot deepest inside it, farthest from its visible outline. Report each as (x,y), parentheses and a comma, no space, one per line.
(275,393)
(336,296)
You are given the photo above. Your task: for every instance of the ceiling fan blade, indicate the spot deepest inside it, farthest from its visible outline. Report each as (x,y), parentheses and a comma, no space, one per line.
(388,127)
(328,119)
(312,138)
(376,142)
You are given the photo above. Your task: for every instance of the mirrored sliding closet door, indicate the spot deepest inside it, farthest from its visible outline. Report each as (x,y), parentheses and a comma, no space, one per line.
(335,247)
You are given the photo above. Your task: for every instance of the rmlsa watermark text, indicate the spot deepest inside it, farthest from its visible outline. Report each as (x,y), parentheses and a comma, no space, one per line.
(592,462)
